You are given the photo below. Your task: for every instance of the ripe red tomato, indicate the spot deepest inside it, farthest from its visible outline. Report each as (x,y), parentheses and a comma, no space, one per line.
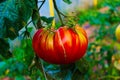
(62,46)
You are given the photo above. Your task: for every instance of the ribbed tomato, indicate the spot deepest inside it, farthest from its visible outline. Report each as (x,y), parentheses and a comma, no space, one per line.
(62,46)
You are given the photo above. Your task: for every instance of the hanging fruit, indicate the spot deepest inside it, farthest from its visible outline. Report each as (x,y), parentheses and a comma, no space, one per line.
(117,32)
(62,46)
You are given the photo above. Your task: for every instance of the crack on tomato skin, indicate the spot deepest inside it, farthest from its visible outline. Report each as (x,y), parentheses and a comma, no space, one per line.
(65,56)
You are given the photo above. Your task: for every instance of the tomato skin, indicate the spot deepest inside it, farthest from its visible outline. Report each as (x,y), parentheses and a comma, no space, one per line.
(117,32)
(61,46)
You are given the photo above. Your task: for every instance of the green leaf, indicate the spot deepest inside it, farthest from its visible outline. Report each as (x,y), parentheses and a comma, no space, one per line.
(4,48)
(47,20)
(82,65)
(50,19)
(67,1)
(20,56)
(2,1)
(30,29)
(2,64)
(14,15)
(44,18)
(25,52)
(77,76)
(35,17)
(19,78)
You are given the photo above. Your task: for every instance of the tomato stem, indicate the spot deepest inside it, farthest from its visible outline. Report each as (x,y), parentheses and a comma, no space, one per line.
(41,4)
(38,25)
(58,12)
(39,65)
(45,75)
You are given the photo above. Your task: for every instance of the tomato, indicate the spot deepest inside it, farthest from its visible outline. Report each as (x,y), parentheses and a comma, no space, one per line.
(117,32)
(62,46)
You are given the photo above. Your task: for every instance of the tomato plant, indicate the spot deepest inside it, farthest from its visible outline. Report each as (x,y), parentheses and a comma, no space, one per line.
(21,54)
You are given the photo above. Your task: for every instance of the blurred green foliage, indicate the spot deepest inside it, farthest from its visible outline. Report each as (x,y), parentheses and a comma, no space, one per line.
(105,18)
(98,63)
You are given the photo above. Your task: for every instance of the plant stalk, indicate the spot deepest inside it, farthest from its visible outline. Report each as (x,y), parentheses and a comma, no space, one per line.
(41,4)
(58,12)
(39,65)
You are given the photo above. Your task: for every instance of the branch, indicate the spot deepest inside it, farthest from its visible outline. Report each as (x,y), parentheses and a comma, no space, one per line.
(26,33)
(40,1)
(43,70)
(40,66)
(41,4)
(63,14)
(28,23)
(58,12)
(39,24)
